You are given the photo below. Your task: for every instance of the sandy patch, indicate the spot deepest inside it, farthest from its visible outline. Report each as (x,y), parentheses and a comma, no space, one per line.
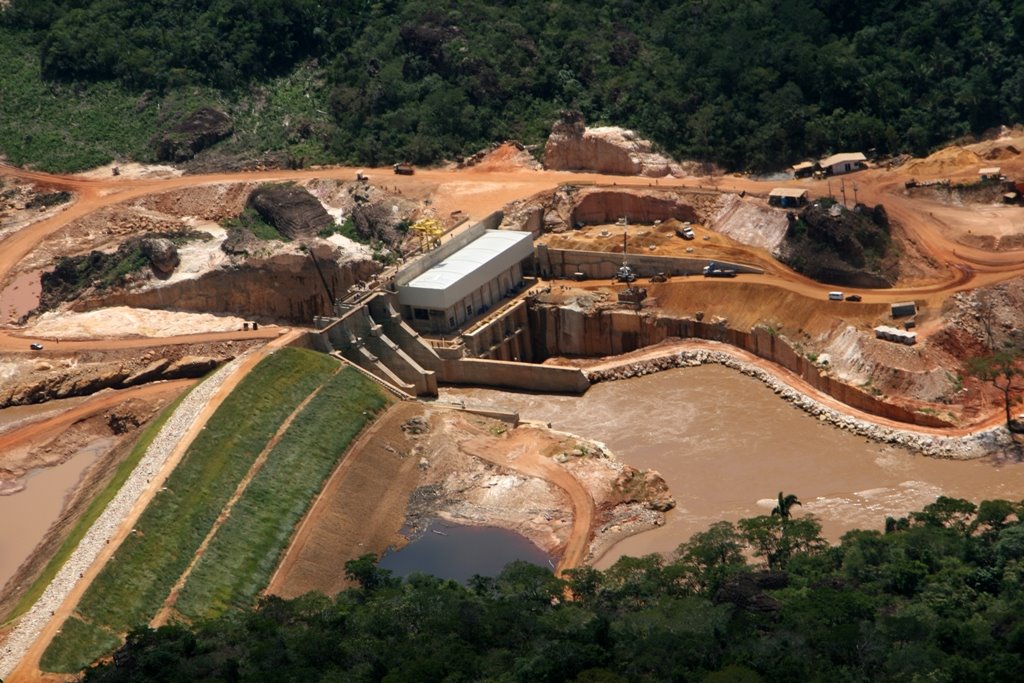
(132,170)
(198,257)
(122,321)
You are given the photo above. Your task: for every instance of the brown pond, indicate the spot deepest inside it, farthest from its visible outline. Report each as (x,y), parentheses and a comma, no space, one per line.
(28,513)
(726,445)
(20,296)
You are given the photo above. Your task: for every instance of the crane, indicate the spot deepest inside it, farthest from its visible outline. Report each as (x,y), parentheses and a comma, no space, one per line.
(429,230)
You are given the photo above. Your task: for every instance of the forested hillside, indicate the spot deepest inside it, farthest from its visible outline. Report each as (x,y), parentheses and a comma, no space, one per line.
(750,84)
(938,597)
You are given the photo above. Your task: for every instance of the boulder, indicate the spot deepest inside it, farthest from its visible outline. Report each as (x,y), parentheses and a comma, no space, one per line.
(202,129)
(292,210)
(147,373)
(162,255)
(191,366)
(241,243)
(574,147)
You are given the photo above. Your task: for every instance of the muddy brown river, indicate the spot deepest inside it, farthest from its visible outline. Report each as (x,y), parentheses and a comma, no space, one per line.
(726,445)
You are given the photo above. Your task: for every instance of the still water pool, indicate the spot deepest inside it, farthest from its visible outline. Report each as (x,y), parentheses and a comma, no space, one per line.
(453,551)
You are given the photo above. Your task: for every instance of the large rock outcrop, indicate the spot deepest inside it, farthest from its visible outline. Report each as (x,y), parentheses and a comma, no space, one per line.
(574,147)
(202,129)
(285,287)
(839,246)
(292,210)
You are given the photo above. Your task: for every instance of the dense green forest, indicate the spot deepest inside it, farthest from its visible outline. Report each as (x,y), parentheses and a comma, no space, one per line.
(750,84)
(937,597)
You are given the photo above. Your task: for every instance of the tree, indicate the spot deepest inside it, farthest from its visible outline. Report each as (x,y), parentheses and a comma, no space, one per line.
(364,571)
(711,554)
(999,368)
(785,505)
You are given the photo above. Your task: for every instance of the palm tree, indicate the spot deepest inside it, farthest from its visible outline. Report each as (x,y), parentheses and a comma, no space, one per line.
(785,503)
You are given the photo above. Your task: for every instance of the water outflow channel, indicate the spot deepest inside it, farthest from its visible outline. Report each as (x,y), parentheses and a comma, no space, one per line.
(726,445)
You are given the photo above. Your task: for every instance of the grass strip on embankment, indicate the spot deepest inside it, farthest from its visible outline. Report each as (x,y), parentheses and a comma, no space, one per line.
(95,509)
(134,584)
(247,548)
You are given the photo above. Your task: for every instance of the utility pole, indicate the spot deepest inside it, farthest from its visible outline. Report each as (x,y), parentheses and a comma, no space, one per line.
(625,229)
(855,194)
(842,186)
(830,188)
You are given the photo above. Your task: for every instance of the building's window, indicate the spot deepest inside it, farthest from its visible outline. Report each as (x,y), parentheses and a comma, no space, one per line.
(420,314)
(469,311)
(451,321)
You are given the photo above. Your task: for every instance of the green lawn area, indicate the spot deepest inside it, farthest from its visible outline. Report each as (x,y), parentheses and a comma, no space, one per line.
(136,581)
(239,561)
(71,649)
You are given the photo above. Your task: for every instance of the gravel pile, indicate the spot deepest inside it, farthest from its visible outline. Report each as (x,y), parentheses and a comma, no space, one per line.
(967,447)
(32,622)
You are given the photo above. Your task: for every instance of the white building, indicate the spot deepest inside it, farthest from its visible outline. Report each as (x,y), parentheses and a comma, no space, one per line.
(843,163)
(467,282)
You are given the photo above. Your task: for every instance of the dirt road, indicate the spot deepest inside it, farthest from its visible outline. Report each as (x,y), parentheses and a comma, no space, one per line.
(518,452)
(96,403)
(478,192)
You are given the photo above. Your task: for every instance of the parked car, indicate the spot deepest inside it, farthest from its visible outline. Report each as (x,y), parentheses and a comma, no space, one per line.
(36,346)
(853,297)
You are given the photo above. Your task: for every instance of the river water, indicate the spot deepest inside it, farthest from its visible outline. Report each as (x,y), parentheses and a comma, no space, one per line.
(726,445)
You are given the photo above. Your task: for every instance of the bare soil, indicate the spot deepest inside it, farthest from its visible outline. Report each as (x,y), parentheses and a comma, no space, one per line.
(566,494)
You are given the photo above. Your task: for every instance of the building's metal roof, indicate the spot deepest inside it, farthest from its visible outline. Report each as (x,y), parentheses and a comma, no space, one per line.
(467,270)
(845,157)
(794,192)
(991,170)
(802,165)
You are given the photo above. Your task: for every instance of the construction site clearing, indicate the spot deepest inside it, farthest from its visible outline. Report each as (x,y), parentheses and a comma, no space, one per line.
(960,265)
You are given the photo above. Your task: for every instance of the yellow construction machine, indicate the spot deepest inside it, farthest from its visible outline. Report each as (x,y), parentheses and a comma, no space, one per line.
(429,230)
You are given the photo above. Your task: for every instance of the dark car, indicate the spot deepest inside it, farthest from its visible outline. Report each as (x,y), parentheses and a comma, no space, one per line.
(36,346)
(853,297)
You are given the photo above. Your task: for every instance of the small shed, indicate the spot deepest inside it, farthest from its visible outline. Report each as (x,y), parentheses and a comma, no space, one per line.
(990,173)
(802,170)
(843,163)
(903,309)
(787,196)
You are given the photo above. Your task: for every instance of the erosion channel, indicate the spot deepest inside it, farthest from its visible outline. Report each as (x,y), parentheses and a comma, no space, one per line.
(725,445)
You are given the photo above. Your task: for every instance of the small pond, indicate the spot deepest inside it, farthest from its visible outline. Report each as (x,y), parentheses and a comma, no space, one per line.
(453,551)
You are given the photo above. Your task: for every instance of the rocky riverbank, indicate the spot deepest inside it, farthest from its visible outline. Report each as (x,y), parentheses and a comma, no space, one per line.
(967,447)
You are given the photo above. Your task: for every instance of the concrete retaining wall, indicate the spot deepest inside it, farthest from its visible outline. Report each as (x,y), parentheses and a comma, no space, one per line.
(504,336)
(559,331)
(563,263)
(508,375)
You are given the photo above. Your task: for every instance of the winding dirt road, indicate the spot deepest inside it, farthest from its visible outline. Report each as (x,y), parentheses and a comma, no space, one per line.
(478,192)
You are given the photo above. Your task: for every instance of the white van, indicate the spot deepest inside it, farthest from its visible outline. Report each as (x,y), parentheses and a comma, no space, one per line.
(835,296)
